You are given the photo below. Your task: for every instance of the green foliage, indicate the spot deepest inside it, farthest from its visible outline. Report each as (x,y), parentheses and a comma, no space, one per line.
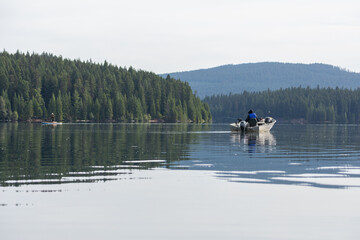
(313,105)
(37,85)
(3,110)
(14,116)
(59,107)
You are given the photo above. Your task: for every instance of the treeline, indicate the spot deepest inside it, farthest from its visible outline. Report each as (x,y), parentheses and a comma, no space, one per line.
(33,86)
(317,105)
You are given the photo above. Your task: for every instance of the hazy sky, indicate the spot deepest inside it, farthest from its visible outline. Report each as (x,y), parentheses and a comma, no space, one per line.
(167,36)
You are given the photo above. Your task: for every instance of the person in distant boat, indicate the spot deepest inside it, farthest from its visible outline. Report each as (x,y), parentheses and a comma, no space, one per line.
(52,117)
(251,118)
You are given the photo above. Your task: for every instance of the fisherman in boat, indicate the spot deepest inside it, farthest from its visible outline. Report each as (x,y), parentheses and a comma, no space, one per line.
(251,118)
(52,117)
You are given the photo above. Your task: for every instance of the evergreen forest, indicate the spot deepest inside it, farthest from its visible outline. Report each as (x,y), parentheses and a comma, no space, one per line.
(32,86)
(312,105)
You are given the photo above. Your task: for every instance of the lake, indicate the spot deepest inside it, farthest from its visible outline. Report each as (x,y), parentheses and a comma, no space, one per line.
(179,181)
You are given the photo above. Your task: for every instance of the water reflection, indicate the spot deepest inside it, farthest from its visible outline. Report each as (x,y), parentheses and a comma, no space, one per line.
(326,156)
(32,153)
(253,141)
(322,179)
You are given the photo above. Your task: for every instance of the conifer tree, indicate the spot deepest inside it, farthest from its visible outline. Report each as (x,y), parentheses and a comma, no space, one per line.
(109,110)
(77,105)
(59,107)
(3,110)
(52,108)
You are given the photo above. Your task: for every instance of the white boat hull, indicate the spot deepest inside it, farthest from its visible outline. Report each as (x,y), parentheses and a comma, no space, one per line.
(243,127)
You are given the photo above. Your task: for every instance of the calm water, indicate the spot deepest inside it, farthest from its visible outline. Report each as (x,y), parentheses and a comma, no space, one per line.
(141,181)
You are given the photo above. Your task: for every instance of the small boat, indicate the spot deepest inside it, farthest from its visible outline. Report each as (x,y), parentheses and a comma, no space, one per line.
(51,123)
(264,125)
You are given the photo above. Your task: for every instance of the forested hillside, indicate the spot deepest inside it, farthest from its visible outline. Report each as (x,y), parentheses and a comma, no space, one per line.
(317,105)
(253,77)
(34,86)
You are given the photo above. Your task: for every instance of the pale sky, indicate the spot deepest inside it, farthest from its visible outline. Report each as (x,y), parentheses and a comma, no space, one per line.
(167,36)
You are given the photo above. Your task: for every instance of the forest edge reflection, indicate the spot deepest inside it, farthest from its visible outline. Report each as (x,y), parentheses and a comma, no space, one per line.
(321,156)
(33,153)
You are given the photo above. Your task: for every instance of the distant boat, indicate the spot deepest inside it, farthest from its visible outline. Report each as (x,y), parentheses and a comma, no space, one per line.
(51,123)
(263,125)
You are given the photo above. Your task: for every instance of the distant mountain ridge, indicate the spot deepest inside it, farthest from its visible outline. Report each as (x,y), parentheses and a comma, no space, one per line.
(261,76)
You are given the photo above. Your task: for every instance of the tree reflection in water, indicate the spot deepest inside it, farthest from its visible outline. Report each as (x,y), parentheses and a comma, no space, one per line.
(33,153)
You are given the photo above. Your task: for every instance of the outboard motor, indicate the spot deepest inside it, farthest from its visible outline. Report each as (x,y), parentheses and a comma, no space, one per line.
(243,125)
